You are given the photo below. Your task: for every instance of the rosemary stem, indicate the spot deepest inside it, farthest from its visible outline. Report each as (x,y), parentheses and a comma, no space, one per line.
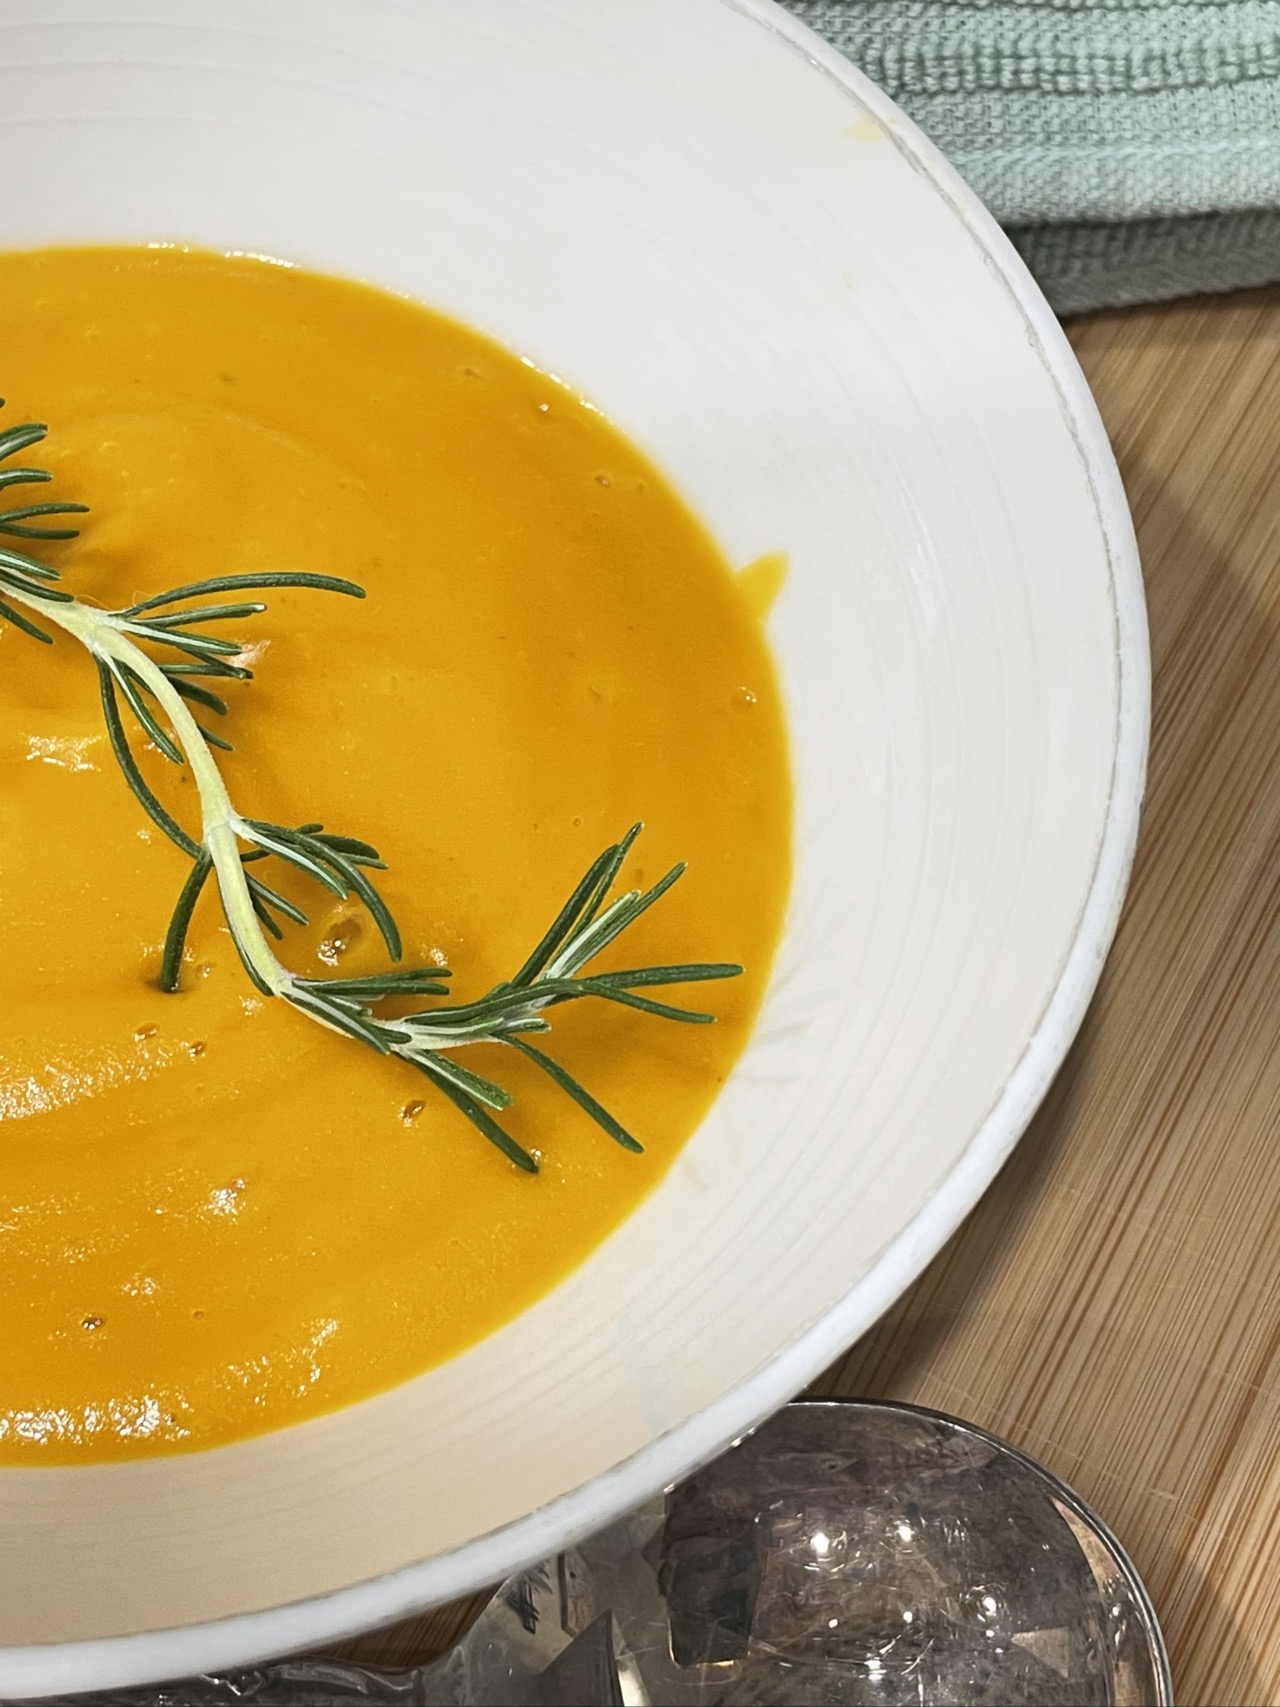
(99,632)
(556,971)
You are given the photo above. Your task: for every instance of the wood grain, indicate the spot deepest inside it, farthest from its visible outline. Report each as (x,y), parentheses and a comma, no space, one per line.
(1113,1305)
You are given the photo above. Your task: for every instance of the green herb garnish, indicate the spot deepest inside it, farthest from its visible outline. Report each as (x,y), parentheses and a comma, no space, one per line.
(163,693)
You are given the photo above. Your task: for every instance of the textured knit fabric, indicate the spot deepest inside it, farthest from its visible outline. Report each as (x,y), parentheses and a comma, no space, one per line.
(1131,148)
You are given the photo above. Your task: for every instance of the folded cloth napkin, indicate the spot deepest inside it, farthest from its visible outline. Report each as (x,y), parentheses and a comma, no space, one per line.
(1131,148)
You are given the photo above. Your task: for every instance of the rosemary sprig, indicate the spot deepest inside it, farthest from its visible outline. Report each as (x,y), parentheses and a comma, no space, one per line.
(158,658)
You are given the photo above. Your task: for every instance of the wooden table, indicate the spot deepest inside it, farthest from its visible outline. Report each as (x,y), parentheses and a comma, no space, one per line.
(1113,1305)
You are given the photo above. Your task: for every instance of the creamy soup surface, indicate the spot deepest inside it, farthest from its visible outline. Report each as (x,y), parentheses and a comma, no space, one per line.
(215,1217)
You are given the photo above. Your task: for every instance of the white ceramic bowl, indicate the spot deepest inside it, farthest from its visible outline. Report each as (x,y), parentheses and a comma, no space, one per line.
(717,230)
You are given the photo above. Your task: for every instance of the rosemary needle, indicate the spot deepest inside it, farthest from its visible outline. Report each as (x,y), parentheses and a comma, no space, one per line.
(159,659)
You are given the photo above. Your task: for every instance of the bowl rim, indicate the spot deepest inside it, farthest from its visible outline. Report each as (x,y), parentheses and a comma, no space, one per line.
(185,1650)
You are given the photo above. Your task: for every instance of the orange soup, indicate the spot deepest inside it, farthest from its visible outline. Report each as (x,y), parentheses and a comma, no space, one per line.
(215,1216)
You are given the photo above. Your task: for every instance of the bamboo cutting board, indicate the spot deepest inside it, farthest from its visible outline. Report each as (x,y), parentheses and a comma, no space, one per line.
(1113,1305)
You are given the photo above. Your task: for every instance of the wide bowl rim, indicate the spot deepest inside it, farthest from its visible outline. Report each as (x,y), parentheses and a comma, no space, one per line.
(140,1657)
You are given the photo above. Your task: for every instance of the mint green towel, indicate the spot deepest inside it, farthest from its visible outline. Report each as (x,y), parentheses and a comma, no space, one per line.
(1131,148)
